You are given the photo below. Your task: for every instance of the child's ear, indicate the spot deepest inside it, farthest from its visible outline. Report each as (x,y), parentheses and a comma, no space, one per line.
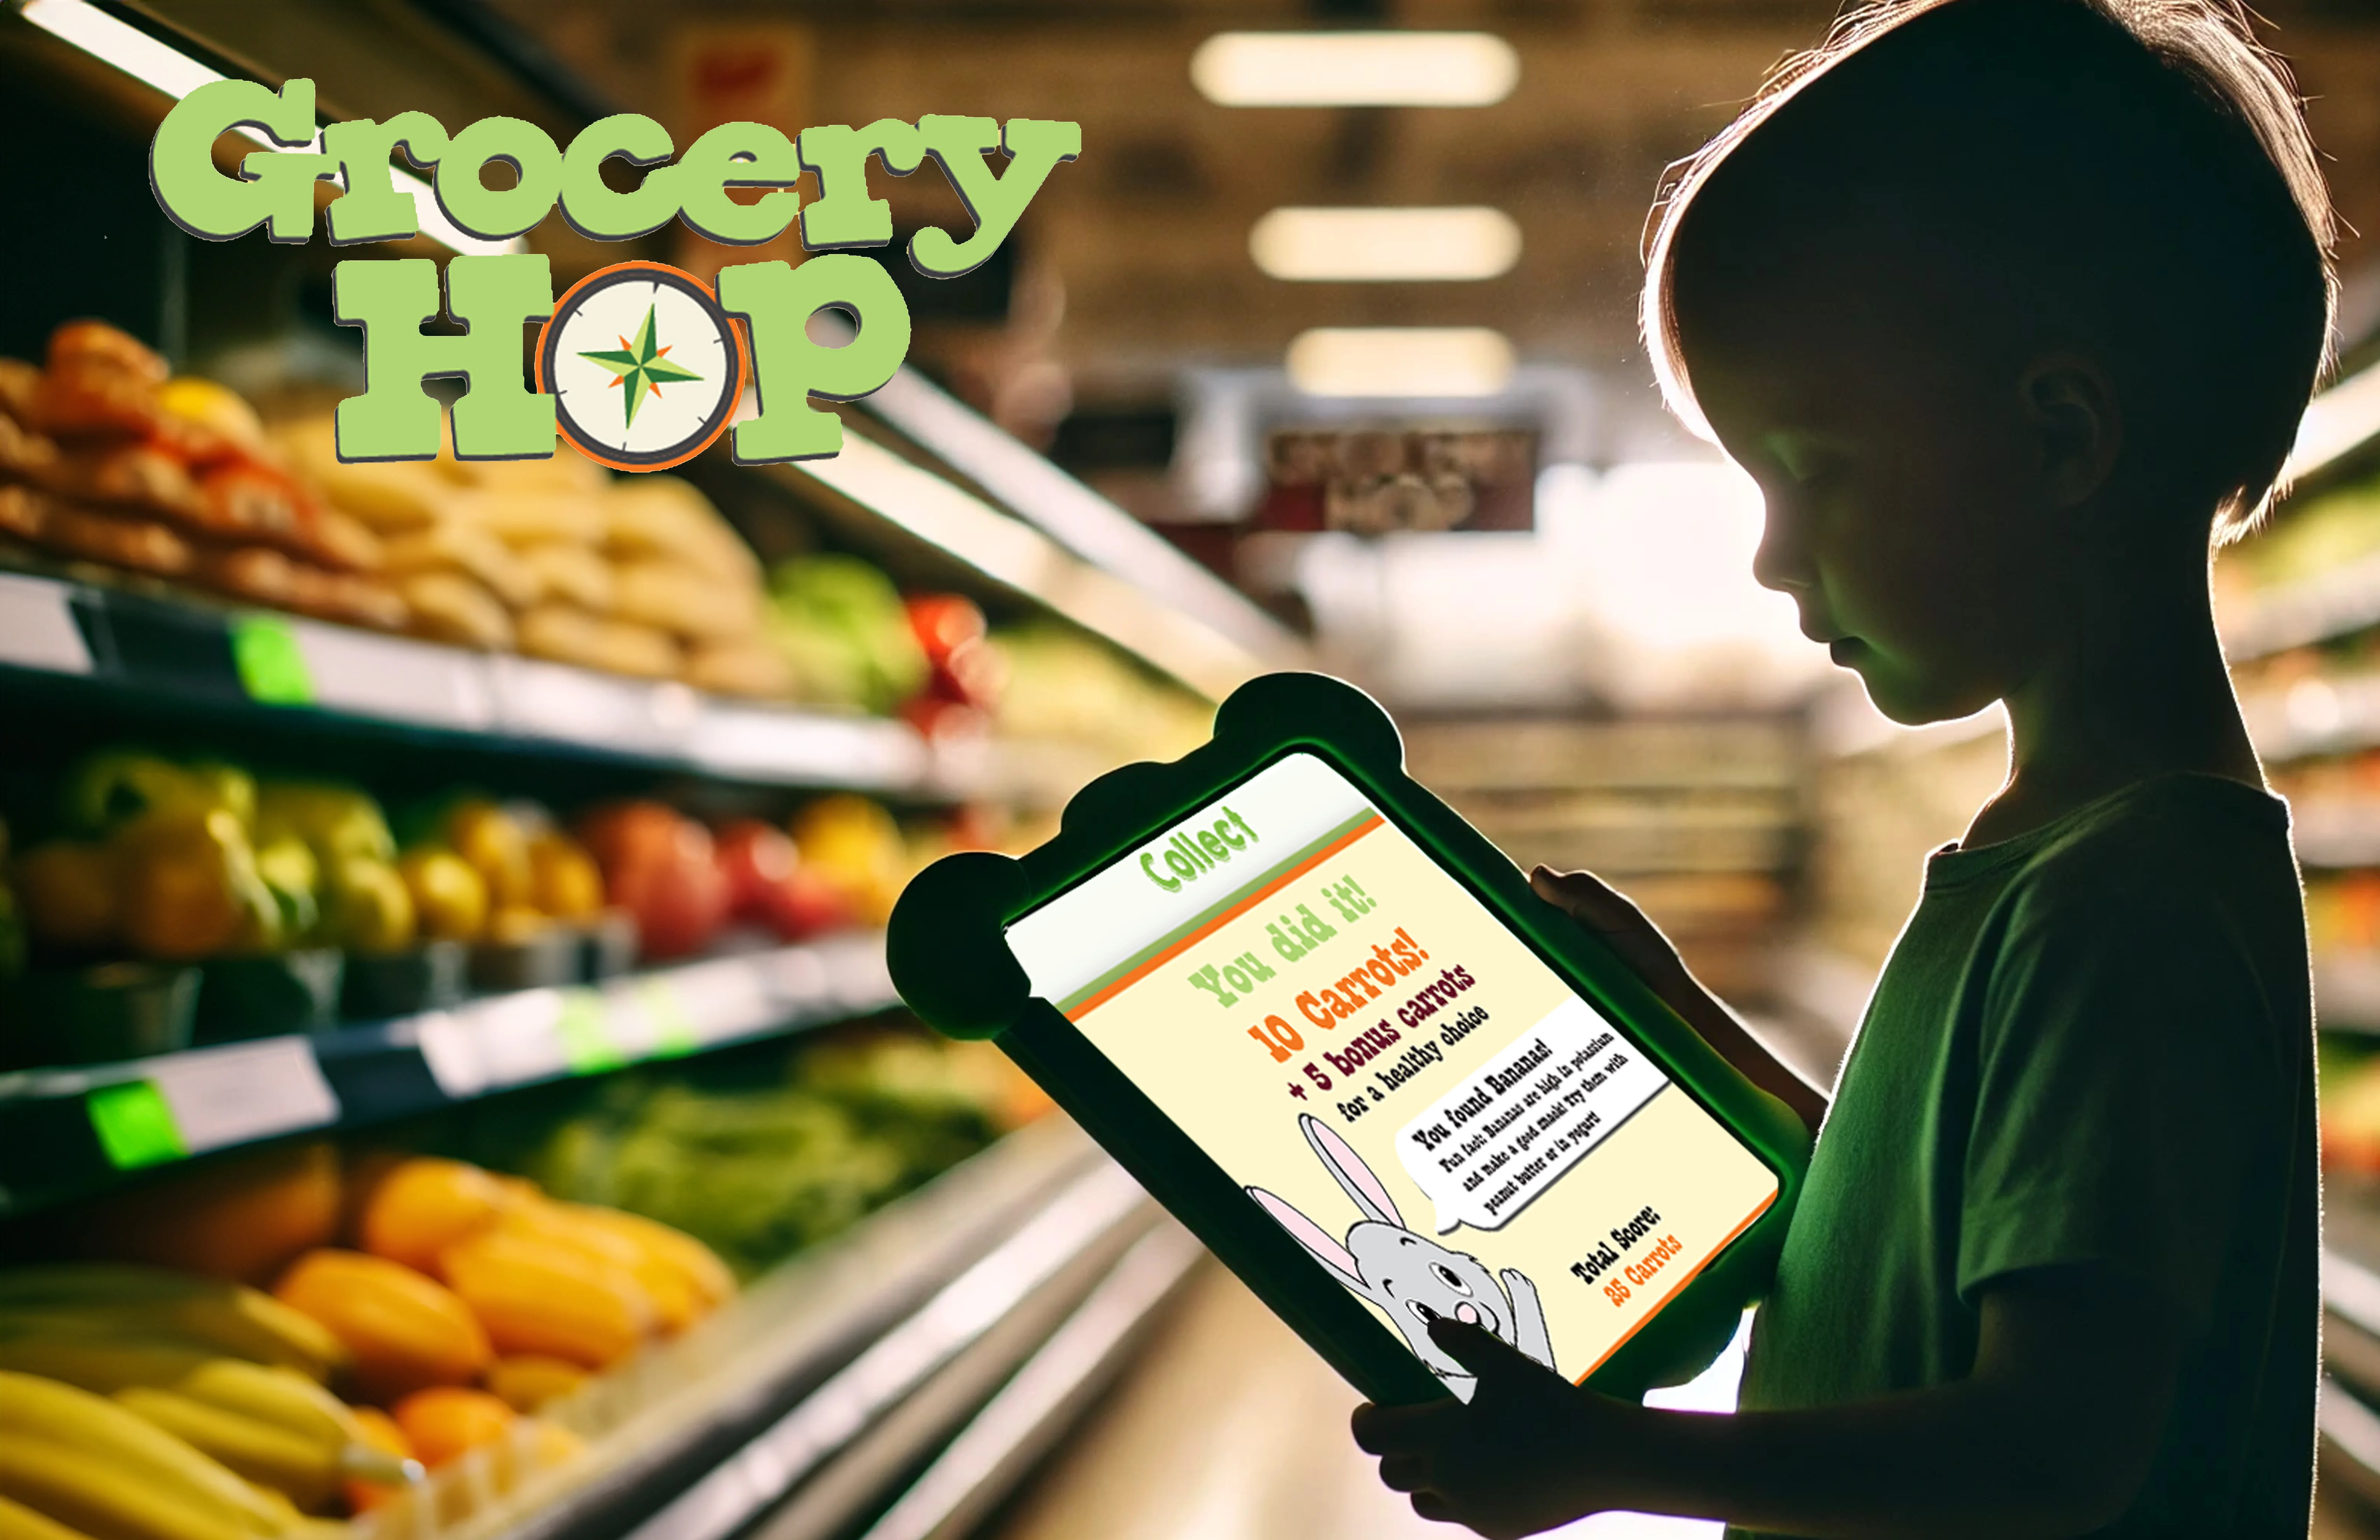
(2069,403)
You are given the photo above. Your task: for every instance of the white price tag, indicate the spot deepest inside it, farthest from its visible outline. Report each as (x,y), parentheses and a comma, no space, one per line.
(794,746)
(226,1095)
(395,679)
(717,1001)
(796,979)
(861,980)
(551,700)
(448,1047)
(517,1038)
(37,626)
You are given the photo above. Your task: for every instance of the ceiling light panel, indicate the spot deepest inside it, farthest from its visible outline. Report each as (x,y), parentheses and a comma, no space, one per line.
(1354,69)
(1400,361)
(1377,245)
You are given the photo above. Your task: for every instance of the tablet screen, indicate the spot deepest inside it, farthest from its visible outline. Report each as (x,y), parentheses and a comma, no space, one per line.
(1394,1077)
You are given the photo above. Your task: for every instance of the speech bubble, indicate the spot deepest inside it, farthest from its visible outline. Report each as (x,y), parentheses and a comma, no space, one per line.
(1509,1130)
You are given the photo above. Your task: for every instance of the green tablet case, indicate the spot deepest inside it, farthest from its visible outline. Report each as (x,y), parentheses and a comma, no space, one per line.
(950,961)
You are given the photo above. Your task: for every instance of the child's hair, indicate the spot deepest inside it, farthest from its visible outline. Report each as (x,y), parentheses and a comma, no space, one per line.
(2130,176)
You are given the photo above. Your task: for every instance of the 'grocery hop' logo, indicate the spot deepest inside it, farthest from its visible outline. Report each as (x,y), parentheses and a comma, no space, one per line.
(643,365)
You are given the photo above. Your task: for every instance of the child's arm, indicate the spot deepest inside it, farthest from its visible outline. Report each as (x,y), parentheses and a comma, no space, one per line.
(2051,1435)
(1623,928)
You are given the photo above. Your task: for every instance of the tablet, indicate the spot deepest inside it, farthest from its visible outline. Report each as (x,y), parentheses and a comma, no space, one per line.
(1408,1094)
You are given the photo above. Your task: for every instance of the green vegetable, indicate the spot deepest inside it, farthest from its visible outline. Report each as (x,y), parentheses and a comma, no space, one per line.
(842,626)
(758,1175)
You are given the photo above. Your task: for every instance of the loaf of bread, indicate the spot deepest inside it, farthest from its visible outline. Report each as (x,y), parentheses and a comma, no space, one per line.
(571,575)
(566,636)
(458,546)
(449,607)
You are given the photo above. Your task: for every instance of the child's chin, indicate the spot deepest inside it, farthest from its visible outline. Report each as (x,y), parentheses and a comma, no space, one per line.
(1912,703)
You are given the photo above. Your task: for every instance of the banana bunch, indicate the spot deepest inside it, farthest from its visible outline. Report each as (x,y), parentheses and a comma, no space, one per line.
(140,1404)
(71,1307)
(73,1463)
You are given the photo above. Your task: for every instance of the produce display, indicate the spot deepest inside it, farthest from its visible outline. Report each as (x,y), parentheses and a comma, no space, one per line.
(172,901)
(107,461)
(105,458)
(759,1172)
(259,1349)
(1062,685)
(2310,708)
(147,1403)
(2316,534)
(557,559)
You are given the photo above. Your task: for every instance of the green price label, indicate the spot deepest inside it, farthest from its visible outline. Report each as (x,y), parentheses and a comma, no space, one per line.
(587,1045)
(272,667)
(673,1034)
(135,1126)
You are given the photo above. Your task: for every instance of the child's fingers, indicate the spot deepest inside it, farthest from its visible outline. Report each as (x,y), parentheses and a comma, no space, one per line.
(1481,1351)
(1430,1505)
(1401,1429)
(1586,899)
(1406,1472)
(1622,925)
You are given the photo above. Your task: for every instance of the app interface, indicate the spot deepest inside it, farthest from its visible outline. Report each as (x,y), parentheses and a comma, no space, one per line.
(1395,1078)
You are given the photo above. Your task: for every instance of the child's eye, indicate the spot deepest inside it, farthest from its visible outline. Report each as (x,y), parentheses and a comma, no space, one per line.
(1421,1312)
(1451,1278)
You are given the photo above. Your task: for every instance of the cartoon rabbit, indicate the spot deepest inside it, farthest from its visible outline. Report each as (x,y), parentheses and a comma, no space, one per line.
(1411,1277)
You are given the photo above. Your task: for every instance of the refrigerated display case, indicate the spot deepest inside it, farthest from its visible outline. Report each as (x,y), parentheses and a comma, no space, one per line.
(900,1351)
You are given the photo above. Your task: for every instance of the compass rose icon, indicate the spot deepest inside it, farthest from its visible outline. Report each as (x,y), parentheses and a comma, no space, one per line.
(644,367)
(640,366)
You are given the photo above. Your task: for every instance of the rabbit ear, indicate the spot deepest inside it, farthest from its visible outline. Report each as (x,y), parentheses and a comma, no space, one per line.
(1314,1238)
(1353,1174)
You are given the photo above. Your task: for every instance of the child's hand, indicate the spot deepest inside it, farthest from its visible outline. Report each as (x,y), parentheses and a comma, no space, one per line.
(1619,924)
(1529,1451)
(1638,942)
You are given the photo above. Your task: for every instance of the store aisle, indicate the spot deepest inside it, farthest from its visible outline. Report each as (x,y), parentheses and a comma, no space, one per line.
(1230,1426)
(1230,1429)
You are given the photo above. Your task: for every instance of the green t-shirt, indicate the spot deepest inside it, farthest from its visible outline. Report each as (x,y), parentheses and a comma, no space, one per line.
(2093,1043)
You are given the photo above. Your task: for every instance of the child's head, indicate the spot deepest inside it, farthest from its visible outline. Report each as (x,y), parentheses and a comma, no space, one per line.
(2004,303)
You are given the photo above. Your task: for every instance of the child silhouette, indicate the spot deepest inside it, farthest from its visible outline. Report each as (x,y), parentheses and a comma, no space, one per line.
(2008,305)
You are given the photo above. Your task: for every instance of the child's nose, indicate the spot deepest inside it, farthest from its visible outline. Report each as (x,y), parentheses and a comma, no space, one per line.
(1779,565)
(1783,561)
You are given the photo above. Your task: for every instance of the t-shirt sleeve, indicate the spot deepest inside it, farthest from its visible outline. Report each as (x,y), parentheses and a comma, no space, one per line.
(2125,1060)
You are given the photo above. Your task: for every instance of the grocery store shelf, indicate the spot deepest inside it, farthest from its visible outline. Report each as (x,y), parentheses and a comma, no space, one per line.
(1016,555)
(2346,993)
(2337,422)
(1018,1425)
(2350,1296)
(831,1454)
(2351,1438)
(154,652)
(64,1132)
(809,1367)
(155,62)
(2343,599)
(1071,514)
(2334,834)
(2315,716)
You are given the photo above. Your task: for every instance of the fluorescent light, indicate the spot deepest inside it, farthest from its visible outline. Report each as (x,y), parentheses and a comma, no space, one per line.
(161,66)
(1075,516)
(1013,552)
(1385,245)
(2336,421)
(1354,69)
(939,513)
(1400,361)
